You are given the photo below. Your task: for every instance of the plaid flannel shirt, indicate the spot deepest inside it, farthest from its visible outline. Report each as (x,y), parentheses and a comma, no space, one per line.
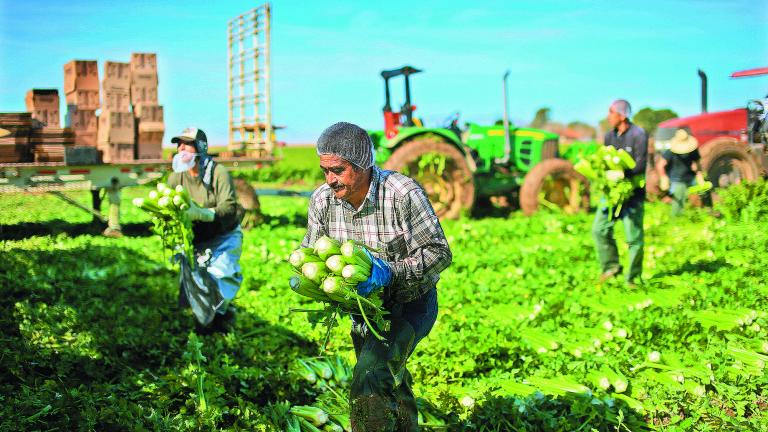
(396,222)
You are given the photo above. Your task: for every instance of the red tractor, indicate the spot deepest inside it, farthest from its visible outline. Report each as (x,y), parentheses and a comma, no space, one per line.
(732,143)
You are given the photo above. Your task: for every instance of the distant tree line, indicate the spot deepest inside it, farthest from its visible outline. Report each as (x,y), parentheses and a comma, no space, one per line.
(648,118)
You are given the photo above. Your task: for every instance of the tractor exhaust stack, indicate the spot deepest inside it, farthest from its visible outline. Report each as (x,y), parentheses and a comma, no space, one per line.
(507,140)
(703,77)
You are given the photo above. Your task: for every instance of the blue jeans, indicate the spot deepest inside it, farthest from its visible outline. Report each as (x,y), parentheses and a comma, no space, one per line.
(678,190)
(381,395)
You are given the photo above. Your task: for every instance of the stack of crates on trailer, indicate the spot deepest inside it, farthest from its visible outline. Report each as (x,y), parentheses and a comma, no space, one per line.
(116,139)
(149,121)
(46,139)
(44,106)
(50,144)
(81,86)
(15,129)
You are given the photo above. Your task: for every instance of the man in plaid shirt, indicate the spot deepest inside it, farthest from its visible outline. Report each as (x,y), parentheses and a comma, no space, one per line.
(391,214)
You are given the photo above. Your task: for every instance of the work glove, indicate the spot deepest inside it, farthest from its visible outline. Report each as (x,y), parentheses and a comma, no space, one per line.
(614,175)
(381,276)
(664,183)
(197,213)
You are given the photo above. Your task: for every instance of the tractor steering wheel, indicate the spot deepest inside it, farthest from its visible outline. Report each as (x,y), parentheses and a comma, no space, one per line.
(452,121)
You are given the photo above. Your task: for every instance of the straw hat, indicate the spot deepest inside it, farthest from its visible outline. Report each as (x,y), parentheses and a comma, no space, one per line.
(682,142)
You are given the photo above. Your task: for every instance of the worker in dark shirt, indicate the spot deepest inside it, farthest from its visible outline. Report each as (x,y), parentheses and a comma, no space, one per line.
(627,136)
(680,168)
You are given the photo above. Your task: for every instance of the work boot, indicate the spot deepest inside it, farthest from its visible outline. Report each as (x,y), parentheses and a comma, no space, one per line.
(609,274)
(112,233)
(223,323)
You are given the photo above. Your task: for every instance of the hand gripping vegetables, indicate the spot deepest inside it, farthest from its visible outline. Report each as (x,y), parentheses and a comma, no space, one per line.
(169,215)
(329,272)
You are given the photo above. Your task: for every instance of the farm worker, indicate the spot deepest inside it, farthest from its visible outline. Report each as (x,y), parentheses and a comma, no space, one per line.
(680,168)
(215,215)
(627,136)
(391,214)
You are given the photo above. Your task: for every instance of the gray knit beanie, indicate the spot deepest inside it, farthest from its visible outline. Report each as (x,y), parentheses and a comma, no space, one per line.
(349,142)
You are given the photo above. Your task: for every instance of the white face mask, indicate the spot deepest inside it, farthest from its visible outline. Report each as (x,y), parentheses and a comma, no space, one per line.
(183,161)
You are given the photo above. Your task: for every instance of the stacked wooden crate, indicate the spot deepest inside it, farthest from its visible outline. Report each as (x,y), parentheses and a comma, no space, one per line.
(148,114)
(116,138)
(15,129)
(81,86)
(49,144)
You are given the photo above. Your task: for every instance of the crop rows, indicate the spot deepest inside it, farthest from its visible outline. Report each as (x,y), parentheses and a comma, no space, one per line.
(92,337)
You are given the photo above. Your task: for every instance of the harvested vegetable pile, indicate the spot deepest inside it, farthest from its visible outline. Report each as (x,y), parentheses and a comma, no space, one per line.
(168,209)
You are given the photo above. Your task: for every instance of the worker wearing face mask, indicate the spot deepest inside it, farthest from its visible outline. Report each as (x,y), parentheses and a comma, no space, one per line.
(211,285)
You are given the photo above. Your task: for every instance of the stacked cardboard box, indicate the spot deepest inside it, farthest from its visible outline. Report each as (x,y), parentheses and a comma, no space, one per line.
(44,106)
(150,129)
(81,85)
(14,137)
(149,122)
(116,138)
(116,86)
(144,78)
(84,125)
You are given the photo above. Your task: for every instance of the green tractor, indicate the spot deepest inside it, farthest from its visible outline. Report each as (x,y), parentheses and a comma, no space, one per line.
(461,168)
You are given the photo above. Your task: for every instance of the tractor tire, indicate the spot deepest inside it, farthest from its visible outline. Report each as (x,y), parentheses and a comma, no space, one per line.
(727,162)
(653,191)
(449,191)
(560,185)
(247,198)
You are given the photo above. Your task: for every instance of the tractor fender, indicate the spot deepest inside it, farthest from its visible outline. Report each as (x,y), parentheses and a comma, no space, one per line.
(411,134)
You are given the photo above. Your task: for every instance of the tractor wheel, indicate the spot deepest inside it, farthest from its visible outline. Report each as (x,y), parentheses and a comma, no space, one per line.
(727,162)
(247,198)
(448,182)
(652,189)
(554,183)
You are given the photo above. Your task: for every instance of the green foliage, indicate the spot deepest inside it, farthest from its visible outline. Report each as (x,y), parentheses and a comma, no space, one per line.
(431,163)
(649,118)
(746,202)
(585,129)
(92,339)
(298,165)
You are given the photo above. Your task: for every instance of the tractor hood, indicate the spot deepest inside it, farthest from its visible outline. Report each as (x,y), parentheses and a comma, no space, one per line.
(704,127)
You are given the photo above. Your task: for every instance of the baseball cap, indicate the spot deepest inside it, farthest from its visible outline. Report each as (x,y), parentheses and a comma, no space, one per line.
(190,134)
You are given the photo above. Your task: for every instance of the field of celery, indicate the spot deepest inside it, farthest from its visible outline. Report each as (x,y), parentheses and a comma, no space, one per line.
(525,339)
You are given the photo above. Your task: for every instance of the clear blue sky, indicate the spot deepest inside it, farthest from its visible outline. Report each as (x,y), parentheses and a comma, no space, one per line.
(574,57)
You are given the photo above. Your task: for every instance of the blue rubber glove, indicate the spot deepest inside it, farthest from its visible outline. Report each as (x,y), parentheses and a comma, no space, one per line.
(381,276)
